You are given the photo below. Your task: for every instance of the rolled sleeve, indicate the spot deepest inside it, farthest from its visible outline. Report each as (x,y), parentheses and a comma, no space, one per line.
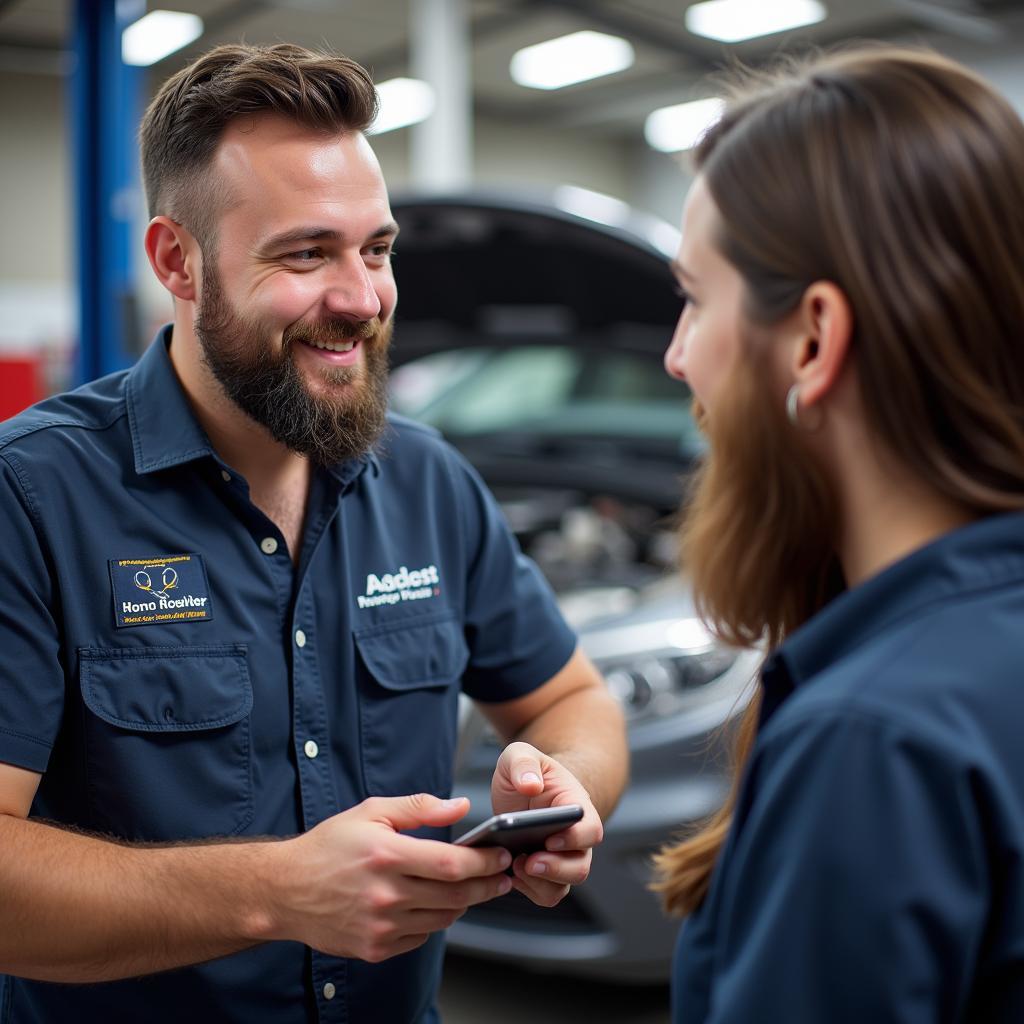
(856,886)
(31,675)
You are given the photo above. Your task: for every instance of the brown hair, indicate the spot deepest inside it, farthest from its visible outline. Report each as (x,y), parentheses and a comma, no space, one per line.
(183,124)
(899,176)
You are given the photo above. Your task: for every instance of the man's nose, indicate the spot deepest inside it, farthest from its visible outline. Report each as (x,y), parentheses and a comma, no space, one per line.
(351,293)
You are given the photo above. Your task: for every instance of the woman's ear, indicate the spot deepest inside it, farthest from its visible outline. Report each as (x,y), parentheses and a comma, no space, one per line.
(174,256)
(825,328)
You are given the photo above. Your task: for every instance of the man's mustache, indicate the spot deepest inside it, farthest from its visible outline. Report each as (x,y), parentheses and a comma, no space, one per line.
(333,330)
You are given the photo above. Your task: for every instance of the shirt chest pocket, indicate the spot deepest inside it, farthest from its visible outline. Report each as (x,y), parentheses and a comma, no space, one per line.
(409,676)
(167,742)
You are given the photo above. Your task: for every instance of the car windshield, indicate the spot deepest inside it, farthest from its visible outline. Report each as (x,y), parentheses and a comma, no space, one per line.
(549,391)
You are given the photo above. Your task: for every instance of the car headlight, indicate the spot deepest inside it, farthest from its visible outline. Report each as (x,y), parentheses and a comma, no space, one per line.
(658,666)
(653,687)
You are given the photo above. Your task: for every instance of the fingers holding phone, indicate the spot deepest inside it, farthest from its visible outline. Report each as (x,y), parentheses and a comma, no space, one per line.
(525,777)
(546,878)
(354,886)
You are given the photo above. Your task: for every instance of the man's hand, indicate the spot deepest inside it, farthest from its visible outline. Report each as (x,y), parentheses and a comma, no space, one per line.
(355,887)
(526,778)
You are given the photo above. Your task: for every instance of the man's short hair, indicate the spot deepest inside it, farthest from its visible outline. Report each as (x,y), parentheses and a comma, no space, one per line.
(183,125)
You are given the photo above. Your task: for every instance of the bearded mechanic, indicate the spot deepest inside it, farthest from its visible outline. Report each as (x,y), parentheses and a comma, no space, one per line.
(240,601)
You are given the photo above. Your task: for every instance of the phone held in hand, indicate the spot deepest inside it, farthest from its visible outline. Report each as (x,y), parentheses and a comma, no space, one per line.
(522,831)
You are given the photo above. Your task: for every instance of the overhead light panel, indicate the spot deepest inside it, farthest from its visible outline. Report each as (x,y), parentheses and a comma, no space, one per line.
(403,101)
(570,59)
(157,34)
(682,126)
(731,21)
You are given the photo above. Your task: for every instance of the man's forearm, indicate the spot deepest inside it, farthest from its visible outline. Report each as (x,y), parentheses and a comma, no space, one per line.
(80,909)
(584,731)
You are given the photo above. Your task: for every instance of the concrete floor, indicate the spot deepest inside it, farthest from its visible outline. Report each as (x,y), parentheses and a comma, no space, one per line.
(483,992)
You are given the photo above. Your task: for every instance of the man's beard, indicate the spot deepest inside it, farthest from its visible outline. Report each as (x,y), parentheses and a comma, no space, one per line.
(268,387)
(758,537)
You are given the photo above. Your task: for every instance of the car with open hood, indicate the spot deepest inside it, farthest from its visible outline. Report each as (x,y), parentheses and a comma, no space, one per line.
(532,337)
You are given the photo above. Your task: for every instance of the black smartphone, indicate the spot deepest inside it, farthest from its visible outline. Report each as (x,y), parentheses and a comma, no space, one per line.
(522,831)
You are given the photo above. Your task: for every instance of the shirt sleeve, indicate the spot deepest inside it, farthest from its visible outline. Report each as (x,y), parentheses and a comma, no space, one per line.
(517,637)
(855,885)
(31,676)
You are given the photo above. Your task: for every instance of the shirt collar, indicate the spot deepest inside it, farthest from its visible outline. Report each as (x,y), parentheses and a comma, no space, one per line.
(987,553)
(165,431)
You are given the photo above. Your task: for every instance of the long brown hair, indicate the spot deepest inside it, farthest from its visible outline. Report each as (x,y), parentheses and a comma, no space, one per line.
(899,176)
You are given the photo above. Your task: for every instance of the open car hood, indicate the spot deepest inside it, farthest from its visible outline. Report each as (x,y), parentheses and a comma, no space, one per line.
(488,269)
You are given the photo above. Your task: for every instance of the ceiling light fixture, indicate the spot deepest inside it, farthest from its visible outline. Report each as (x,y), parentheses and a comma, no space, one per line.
(403,101)
(570,59)
(731,21)
(682,126)
(157,34)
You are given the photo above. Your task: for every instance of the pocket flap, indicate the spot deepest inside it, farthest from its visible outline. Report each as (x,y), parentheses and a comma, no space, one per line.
(167,689)
(415,653)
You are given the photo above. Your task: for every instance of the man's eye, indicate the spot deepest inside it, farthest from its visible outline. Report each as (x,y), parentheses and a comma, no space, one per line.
(305,255)
(383,249)
(684,295)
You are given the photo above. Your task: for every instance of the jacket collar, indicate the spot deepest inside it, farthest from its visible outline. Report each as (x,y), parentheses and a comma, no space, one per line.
(984,554)
(165,431)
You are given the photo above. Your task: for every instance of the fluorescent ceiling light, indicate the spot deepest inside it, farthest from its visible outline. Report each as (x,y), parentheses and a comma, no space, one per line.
(731,21)
(595,206)
(403,101)
(569,59)
(682,126)
(157,34)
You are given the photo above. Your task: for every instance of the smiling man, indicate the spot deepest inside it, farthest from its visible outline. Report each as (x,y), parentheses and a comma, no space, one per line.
(241,601)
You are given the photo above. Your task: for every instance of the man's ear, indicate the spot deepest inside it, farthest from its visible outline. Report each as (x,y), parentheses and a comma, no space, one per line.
(825,328)
(174,256)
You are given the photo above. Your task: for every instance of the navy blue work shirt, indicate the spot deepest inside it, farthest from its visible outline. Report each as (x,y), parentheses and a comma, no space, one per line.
(875,866)
(173,675)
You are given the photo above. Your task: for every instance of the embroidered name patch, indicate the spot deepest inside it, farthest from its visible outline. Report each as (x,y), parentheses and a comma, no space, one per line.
(171,588)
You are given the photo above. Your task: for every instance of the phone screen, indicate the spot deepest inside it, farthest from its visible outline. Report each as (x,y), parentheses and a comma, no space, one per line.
(522,831)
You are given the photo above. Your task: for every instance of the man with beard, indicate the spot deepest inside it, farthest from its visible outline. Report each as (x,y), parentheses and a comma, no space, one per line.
(240,603)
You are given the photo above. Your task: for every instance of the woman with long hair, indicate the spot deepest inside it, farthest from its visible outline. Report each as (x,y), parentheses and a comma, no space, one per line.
(853,333)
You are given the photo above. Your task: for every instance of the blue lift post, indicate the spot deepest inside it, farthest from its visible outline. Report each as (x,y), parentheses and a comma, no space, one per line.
(105,105)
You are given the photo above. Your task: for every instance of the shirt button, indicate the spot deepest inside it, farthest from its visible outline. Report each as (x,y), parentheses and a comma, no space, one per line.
(268,545)
(329,990)
(300,638)
(312,750)
(225,476)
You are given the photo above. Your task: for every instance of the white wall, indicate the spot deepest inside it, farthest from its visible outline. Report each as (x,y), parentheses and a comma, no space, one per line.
(520,155)
(36,255)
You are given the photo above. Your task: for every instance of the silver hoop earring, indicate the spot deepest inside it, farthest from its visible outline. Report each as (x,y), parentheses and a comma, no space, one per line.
(792,406)
(793,412)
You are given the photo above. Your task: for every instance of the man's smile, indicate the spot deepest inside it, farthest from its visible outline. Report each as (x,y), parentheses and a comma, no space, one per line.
(336,353)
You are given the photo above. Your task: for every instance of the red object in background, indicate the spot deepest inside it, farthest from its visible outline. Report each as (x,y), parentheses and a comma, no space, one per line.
(21,384)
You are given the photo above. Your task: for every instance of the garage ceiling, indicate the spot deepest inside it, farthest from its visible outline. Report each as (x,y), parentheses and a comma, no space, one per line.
(671,64)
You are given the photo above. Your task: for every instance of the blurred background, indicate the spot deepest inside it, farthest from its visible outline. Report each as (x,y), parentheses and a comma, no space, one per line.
(536,151)
(492,112)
